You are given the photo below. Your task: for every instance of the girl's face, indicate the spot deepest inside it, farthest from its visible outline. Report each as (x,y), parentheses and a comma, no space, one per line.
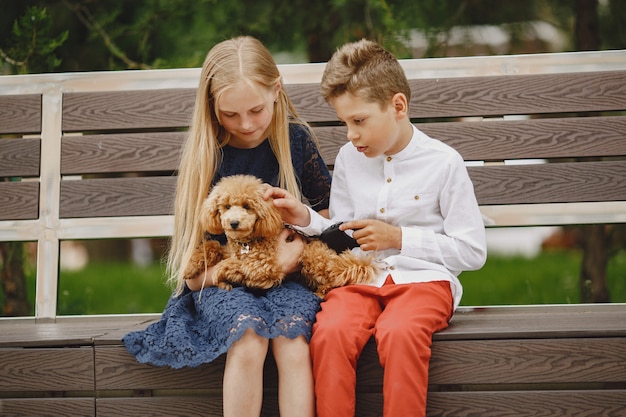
(246,113)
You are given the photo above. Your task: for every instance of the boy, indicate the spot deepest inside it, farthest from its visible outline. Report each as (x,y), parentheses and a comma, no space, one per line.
(410,203)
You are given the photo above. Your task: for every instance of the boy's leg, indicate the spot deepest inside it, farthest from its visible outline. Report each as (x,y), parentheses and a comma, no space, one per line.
(344,325)
(412,313)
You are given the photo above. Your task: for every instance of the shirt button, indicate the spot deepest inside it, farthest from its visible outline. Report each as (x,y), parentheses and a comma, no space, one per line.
(392,267)
(417,197)
(388,179)
(382,210)
(389,159)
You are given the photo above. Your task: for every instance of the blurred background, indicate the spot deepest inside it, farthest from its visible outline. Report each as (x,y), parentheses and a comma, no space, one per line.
(525,265)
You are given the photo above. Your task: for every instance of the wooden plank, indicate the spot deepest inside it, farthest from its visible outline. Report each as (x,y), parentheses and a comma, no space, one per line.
(189,406)
(550,361)
(574,137)
(550,183)
(19,157)
(68,331)
(19,200)
(139,152)
(605,403)
(498,140)
(539,321)
(51,407)
(515,361)
(128,110)
(46,369)
(111,197)
(518,94)
(20,113)
(309,103)
(116,369)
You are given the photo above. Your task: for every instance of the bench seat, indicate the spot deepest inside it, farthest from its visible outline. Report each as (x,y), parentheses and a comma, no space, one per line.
(569,359)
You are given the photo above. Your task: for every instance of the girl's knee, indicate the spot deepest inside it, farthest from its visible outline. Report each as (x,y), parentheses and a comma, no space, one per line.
(291,352)
(250,347)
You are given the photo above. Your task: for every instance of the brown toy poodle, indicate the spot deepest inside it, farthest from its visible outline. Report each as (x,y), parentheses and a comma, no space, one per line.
(252,225)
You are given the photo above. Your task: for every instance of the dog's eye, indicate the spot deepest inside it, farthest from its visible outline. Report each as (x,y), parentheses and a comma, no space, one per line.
(246,206)
(227,206)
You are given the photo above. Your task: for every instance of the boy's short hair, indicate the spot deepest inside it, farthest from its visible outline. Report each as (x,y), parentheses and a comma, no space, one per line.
(366,70)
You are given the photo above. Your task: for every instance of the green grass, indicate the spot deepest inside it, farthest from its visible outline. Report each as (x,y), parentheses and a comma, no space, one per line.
(550,278)
(113,288)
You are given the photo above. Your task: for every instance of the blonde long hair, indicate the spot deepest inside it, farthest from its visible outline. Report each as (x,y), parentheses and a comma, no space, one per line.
(241,58)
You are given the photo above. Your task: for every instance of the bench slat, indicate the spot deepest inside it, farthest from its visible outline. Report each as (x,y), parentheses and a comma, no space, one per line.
(158,151)
(205,406)
(106,197)
(518,95)
(46,369)
(513,361)
(29,407)
(550,183)
(500,140)
(534,322)
(115,368)
(534,138)
(491,95)
(19,200)
(529,361)
(20,113)
(19,157)
(606,403)
(149,109)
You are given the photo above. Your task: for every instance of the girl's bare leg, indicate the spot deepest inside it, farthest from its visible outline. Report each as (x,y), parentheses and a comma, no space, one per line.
(296,396)
(243,376)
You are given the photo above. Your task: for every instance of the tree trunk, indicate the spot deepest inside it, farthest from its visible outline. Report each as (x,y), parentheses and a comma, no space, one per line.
(13,280)
(587,34)
(593,287)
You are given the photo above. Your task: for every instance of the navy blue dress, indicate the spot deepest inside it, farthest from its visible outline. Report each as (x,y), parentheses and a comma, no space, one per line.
(198,326)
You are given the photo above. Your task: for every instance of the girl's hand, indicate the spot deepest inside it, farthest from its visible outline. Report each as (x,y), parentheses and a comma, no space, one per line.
(292,210)
(290,248)
(202,280)
(374,234)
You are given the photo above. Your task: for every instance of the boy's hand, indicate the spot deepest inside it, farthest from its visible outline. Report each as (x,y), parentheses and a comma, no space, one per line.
(374,234)
(291,209)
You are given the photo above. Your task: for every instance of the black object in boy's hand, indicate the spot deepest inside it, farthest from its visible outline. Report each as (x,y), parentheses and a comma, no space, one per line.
(337,239)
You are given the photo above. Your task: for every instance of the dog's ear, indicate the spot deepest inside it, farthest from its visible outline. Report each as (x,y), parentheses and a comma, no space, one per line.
(270,222)
(210,214)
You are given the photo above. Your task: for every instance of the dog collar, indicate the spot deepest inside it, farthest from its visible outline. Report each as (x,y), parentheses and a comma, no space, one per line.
(244,247)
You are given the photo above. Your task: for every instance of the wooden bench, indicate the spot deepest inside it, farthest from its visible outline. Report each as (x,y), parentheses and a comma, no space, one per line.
(91,156)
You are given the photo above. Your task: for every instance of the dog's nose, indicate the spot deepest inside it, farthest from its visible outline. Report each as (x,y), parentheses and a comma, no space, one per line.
(234,224)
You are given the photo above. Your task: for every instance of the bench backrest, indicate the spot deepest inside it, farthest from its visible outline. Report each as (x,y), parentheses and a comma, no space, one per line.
(93,155)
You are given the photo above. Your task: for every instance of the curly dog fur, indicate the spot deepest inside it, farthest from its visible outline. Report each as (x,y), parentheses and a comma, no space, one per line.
(252,225)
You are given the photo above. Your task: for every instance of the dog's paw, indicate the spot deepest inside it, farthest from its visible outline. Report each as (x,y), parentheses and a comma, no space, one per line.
(225,285)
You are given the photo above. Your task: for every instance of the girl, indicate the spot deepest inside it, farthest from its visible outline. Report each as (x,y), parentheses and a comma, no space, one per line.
(243,123)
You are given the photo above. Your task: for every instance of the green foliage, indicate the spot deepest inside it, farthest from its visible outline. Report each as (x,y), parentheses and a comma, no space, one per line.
(31,45)
(120,34)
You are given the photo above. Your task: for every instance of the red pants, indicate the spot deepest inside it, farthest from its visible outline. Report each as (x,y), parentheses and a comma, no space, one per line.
(403,319)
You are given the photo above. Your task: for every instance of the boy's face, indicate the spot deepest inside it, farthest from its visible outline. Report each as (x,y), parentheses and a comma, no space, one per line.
(371,129)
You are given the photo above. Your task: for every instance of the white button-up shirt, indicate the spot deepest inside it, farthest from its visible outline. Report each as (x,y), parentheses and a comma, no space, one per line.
(424,189)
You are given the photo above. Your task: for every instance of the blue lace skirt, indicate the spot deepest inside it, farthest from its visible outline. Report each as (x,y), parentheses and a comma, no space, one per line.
(197,327)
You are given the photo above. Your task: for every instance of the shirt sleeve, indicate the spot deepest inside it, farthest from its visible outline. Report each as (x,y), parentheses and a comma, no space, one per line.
(462,243)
